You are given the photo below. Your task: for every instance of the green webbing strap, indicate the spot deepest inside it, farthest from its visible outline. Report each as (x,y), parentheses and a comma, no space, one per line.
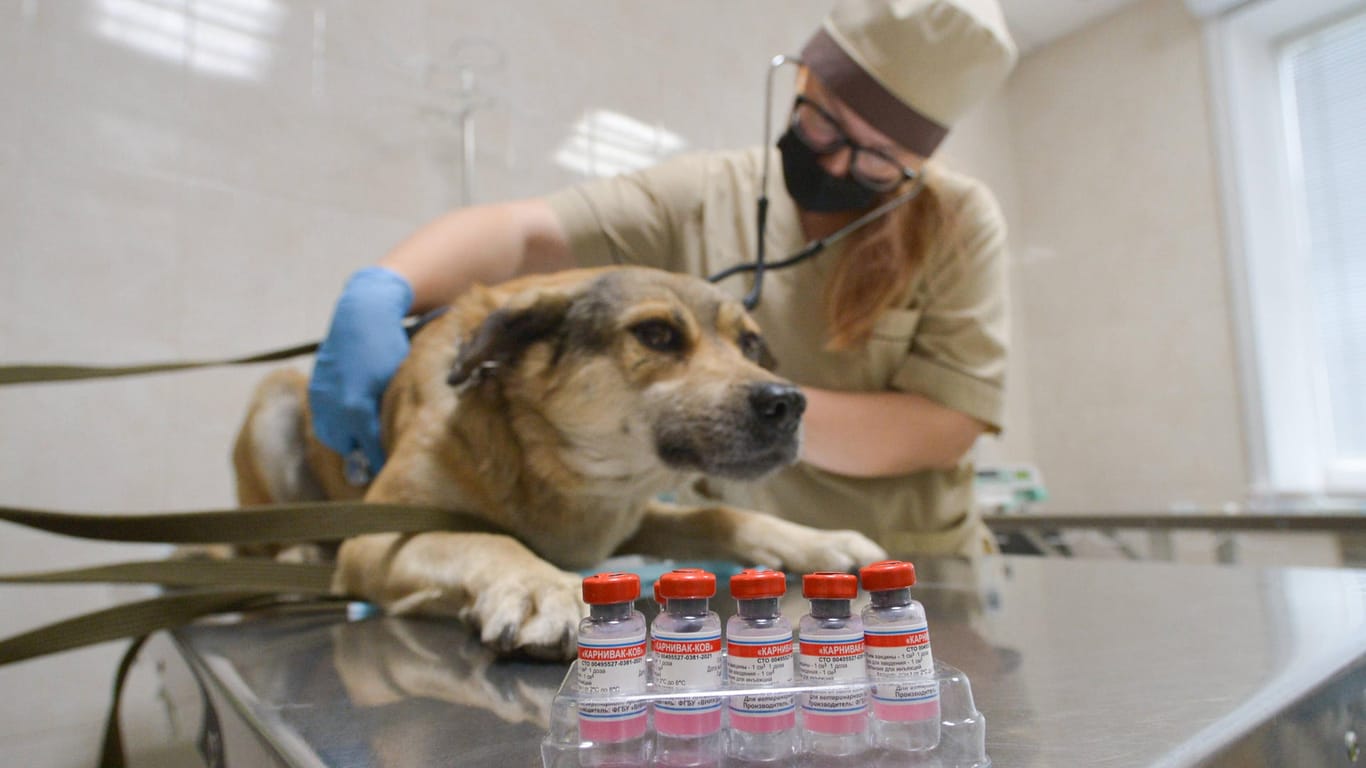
(244,573)
(111,754)
(34,374)
(239,582)
(282,523)
(129,620)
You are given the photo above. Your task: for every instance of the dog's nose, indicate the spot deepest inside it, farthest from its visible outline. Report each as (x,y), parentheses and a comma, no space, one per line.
(777,405)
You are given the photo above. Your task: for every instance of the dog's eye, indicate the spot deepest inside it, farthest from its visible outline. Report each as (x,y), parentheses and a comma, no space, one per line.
(752,346)
(658,335)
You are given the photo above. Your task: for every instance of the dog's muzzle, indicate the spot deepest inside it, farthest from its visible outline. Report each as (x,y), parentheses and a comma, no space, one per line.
(756,435)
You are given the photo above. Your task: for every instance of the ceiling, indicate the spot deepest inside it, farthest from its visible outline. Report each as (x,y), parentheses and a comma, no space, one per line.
(1035,23)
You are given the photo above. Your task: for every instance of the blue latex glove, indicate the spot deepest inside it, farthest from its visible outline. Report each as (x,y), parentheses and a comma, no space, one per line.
(364,346)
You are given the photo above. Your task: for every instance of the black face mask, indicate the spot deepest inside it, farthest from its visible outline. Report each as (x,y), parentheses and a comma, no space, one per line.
(813,188)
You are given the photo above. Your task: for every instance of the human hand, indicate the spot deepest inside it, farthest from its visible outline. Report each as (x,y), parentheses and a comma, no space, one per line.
(364,346)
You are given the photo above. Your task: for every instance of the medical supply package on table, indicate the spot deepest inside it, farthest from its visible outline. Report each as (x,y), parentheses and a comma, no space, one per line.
(842,689)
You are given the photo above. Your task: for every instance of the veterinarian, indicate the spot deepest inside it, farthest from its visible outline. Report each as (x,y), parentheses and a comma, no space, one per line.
(897,334)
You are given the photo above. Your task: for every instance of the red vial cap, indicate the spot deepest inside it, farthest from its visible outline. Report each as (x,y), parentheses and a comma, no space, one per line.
(752,583)
(687,583)
(607,588)
(888,574)
(830,585)
(660,598)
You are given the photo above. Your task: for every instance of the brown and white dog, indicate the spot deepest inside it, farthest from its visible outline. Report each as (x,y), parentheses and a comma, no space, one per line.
(557,407)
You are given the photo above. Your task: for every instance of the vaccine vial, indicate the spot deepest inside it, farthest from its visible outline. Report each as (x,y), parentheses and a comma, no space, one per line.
(759,655)
(900,665)
(830,641)
(686,638)
(612,663)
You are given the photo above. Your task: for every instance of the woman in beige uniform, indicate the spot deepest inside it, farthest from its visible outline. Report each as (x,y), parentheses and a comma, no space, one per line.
(896,333)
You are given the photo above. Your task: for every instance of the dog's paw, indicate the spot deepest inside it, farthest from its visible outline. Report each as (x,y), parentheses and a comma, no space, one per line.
(799,549)
(536,614)
(842,551)
(519,603)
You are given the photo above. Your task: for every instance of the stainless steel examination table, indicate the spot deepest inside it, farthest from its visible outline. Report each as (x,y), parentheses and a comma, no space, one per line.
(1074,663)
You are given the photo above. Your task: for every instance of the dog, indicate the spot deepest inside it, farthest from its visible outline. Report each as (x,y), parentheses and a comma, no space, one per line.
(558,408)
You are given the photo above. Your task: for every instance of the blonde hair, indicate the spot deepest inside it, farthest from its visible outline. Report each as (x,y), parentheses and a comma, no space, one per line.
(876,268)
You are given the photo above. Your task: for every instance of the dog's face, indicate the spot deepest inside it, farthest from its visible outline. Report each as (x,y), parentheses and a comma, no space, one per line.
(639,370)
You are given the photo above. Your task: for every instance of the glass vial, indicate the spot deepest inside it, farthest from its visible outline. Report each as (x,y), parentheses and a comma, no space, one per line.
(830,639)
(759,655)
(612,663)
(686,639)
(900,665)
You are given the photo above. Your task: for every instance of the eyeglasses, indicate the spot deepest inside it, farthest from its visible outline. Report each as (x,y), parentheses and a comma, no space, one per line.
(820,131)
(815,247)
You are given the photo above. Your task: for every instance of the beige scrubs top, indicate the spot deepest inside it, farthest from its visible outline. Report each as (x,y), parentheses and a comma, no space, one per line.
(696,214)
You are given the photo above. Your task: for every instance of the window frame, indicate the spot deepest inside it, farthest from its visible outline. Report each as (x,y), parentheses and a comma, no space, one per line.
(1283,393)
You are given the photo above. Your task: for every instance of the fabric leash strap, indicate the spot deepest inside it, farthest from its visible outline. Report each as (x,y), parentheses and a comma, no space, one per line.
(281,523)
(129,620)
(221,585)
(33,374)
(247,573)
(111,750)
(40,373)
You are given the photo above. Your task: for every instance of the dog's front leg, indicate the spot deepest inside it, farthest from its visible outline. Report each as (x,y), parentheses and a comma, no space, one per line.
(519,602)
(752,538)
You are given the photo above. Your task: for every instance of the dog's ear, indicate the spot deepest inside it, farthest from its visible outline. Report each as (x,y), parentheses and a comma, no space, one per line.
(506,333)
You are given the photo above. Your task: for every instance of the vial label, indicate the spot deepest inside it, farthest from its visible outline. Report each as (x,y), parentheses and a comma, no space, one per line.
(897,654)
(684,661)
(760,661)
(834,658)
(612,667)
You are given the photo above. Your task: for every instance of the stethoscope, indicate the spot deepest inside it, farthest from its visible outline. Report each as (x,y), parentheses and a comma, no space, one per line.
(814,247)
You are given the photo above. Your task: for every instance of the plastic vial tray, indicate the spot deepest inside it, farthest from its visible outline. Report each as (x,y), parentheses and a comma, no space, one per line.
(961,743)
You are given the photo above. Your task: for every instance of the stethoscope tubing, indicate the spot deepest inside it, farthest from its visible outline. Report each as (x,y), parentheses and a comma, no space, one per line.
(814,247)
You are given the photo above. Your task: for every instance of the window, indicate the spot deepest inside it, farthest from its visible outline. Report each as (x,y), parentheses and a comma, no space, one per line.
(1324,74)
(1288,78)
